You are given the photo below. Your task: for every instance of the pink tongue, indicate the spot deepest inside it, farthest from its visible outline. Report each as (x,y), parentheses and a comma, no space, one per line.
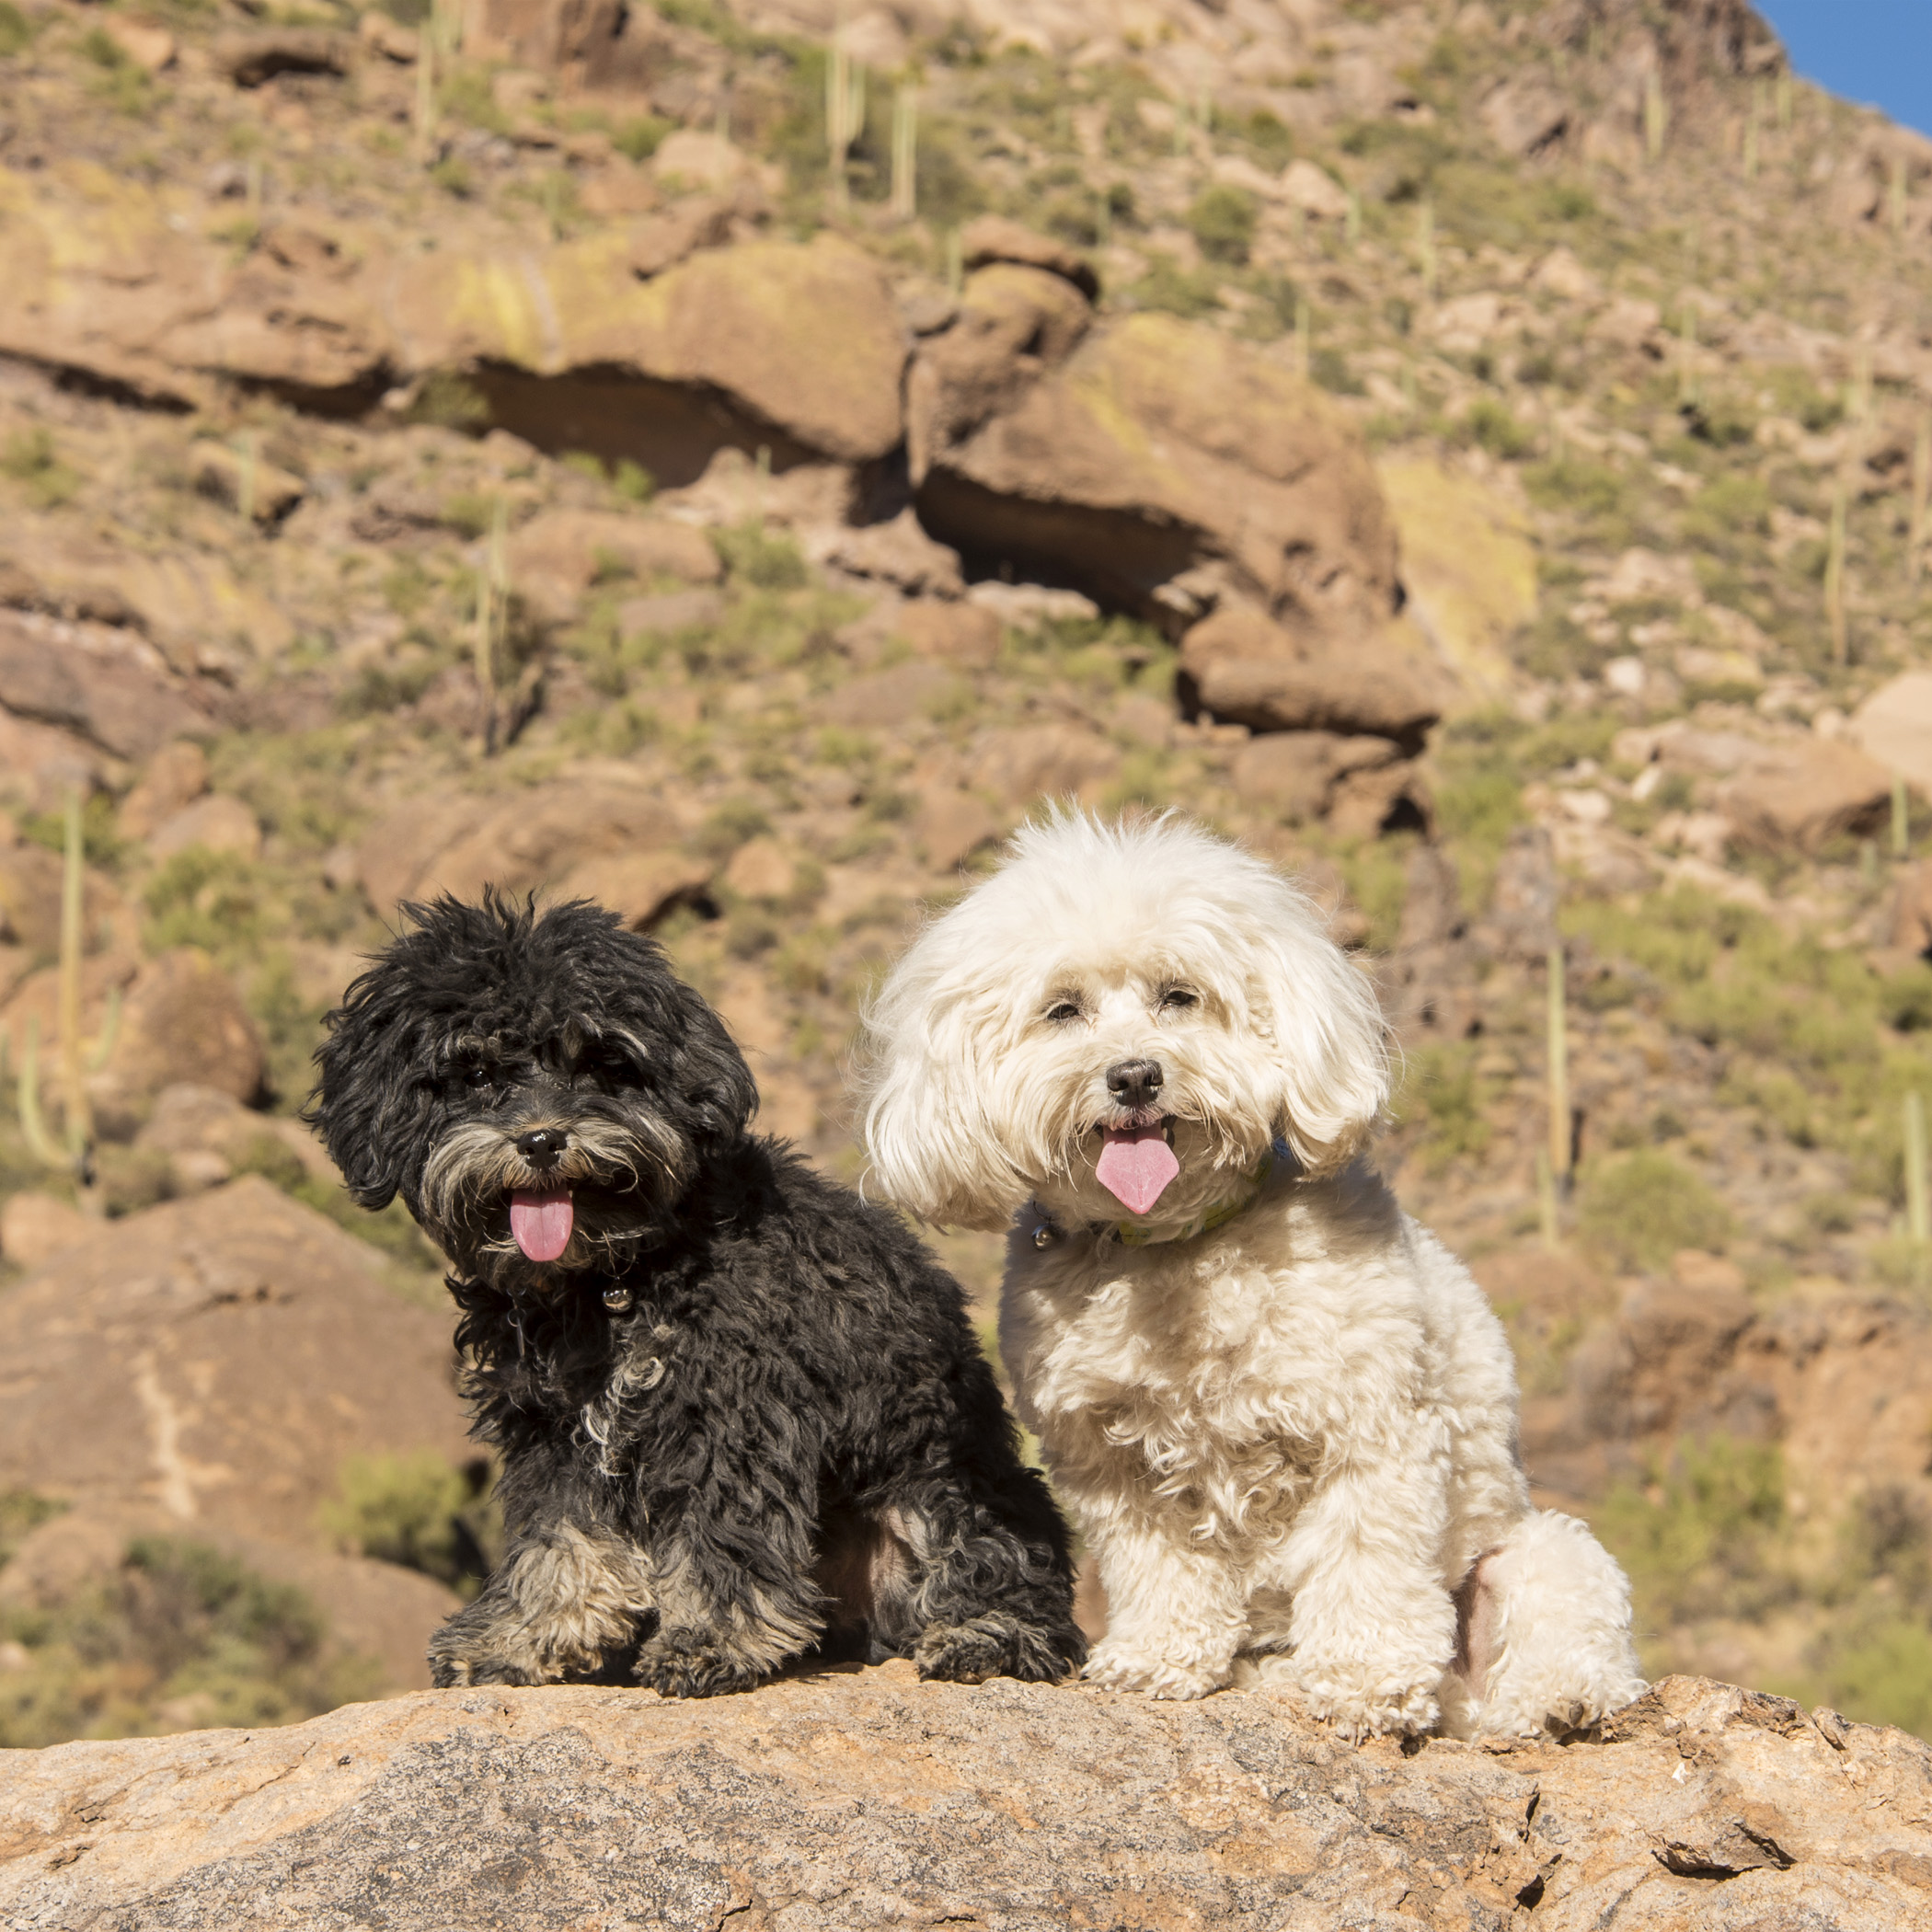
(540,1219)
(1135,1165)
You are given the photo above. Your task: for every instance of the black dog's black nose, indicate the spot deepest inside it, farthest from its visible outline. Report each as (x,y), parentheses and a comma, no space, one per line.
(1133,1083)
(542,1146)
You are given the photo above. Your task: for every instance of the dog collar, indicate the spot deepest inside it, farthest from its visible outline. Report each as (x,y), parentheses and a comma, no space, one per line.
(1132,1234)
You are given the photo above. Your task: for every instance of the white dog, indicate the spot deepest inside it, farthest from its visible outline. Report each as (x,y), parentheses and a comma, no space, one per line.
(1283,1415)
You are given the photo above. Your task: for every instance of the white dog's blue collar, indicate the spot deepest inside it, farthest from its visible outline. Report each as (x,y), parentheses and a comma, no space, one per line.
(1134,1233)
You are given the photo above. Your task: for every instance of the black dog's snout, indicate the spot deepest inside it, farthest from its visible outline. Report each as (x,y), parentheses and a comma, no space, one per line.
(543,1146)
(1133,1083)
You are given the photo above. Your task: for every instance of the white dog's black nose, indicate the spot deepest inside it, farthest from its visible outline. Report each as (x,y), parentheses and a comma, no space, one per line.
(1133,1083)
(543,1146)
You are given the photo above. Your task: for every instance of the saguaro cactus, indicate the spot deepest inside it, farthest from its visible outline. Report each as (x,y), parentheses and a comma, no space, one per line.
(492,617)
(845,111)
(1834,579)
(74,1152)
(905,152)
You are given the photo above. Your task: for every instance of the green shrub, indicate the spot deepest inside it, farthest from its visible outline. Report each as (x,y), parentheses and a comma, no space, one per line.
(1701,1537)
(1168,288)
(1643,1208)
(214,899)
(734,823)
(1223,220)
(1728,509)
(32,461)
(21,1512)
(179,1636)
(1488,423)
(16,31)
(1880,1671)
(1444,1082)
(766,560)
(450,402)
(415,1511)
(1587,489)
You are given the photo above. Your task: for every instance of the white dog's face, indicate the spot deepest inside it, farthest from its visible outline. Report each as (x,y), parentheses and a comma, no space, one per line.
(1116,1025)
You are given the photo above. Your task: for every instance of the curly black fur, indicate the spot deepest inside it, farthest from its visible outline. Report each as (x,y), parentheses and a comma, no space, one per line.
(742,1415)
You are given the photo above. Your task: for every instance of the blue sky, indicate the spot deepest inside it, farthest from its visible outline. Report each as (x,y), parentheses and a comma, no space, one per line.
(1878,51)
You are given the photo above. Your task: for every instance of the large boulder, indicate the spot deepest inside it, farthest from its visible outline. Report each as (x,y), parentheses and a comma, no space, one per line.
(1162,467)
(183,1019)
(1799,798)
(213,1361)
(863,1798)
(1244,668)
(557,836)
(1894,726)
(1468,568)
(794,347)
(555,558)
(91,682)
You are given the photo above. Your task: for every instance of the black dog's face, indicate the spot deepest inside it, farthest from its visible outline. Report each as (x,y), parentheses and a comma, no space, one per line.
(539,1090)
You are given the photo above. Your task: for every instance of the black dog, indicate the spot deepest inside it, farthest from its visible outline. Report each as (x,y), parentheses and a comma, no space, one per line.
(742,1415)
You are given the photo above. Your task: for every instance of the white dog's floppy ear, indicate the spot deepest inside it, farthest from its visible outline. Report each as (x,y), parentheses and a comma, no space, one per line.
(1323,1025)
(934,1148)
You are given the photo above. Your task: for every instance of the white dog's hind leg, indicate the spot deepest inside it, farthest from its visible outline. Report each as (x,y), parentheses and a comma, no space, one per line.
(1174,1612)
(1545,1635)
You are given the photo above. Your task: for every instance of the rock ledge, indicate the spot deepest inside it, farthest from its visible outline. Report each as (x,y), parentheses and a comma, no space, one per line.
(858,1798)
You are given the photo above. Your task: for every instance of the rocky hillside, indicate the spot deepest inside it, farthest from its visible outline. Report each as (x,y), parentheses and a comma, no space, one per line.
(734,461)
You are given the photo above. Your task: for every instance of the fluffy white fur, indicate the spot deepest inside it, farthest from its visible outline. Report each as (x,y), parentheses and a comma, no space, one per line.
(1290,1442)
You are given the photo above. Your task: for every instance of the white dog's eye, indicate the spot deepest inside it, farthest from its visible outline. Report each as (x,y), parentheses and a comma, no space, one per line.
(1063,1010)
(1176,997)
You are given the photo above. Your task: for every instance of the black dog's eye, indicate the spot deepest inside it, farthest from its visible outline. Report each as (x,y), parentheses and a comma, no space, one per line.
(1176,998)
(479,1077)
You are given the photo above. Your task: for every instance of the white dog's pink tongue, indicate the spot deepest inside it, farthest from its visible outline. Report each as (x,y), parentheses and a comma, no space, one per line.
(540,1218)
(1135,1165)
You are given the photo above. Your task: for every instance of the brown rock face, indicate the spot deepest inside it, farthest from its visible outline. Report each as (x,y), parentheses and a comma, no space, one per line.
(183,1021)
(863,1798)
(1245,669)
(797,348)
(211,1362)
(555,558)
(992,237)
(1912,910)
(545,837)
(113,700)
(176,777)
(1804,797)
(1161,467)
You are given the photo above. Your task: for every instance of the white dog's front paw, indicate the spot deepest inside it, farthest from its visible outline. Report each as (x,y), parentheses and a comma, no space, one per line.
(1121,1665)
(1364,1696)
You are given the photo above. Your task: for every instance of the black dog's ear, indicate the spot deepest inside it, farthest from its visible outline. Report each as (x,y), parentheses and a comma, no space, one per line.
(371,1105)
(711,1074)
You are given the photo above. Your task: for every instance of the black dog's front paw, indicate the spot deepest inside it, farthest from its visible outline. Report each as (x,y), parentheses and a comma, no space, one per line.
(689,1663)
(997,1646)
(449,1670)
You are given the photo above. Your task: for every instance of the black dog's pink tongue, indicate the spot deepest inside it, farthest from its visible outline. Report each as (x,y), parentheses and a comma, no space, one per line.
(540,1218)
(1135,1165)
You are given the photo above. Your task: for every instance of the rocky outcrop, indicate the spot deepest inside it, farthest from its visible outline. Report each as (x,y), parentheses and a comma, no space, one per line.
(207,1364)
(1245,669)
(1894,726)
(858,1798)
(795,348)
(1801,798)
(1160,466)
(565,836)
